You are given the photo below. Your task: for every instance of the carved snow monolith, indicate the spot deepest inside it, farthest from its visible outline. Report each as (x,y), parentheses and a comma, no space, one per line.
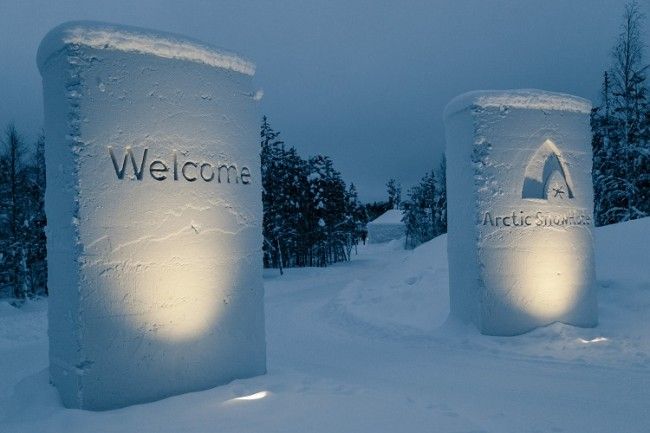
(520,202)
(154,215)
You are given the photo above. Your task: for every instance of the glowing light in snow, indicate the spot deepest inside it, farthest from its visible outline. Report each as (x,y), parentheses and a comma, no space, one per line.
(174,293)
(547,277)
(593,340)
(257,396)
(550,274)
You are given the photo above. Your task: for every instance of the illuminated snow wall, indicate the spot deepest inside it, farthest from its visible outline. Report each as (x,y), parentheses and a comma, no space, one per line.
(154,215)
(520,206)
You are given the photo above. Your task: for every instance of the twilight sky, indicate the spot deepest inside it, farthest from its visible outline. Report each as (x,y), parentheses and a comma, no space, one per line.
(364,82)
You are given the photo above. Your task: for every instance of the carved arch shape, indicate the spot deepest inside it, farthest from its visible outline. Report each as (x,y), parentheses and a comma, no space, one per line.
(546,161)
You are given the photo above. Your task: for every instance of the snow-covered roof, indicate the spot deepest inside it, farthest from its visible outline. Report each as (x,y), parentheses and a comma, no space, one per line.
(523,99)
(392,216)
(136,40)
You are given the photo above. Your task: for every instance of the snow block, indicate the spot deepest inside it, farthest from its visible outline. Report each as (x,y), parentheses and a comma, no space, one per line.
(520,202)
(154,215)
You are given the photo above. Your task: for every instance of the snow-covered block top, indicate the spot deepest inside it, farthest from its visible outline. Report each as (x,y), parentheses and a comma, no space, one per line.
(531,99)
(103,36)
(392,216)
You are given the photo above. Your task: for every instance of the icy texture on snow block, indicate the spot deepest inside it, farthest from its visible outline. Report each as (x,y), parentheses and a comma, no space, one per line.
(154,215)
(128,39)
(520,206)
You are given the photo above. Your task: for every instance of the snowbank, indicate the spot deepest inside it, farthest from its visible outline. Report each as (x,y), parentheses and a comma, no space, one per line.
(411,302)
(410,298)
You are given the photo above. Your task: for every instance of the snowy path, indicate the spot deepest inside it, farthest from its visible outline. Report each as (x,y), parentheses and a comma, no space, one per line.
(356,348)
(453,387)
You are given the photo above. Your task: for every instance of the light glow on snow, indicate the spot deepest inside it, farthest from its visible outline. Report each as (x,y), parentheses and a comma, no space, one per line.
(593,340)
(548,282)
(257,396)
(172,296)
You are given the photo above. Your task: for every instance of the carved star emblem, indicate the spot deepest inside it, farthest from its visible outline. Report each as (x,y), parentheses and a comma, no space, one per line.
(558,191)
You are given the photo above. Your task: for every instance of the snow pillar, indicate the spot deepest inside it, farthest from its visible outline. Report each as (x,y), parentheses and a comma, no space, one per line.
(520,202)
(154,215)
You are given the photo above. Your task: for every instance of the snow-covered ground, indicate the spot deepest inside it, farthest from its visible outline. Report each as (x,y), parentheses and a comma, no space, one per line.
(365,347)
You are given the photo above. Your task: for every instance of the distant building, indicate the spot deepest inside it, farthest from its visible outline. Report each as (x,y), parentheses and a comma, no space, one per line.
(386,227)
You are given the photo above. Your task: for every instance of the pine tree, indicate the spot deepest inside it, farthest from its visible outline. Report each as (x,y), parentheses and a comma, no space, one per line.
(293,206)
(425,214)
(630,102)
(13,247)
(376,209)
(310,217)
(620,130)
(643,179)
(6,266)
(355,219)
(23,253)
(601,126)
(271,225)
(420,213)
(440,205)
(394,190)
(328,193)
(35,220)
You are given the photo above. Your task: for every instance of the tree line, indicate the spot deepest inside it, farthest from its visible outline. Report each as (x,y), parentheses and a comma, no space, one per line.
(311,217)
(23,257)
(621,130)
(425,212)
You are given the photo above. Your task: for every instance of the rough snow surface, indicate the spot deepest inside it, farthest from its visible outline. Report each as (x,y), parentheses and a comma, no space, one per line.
(104,36)
(410,302)
(341,359)
(520,98)
(154,220)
